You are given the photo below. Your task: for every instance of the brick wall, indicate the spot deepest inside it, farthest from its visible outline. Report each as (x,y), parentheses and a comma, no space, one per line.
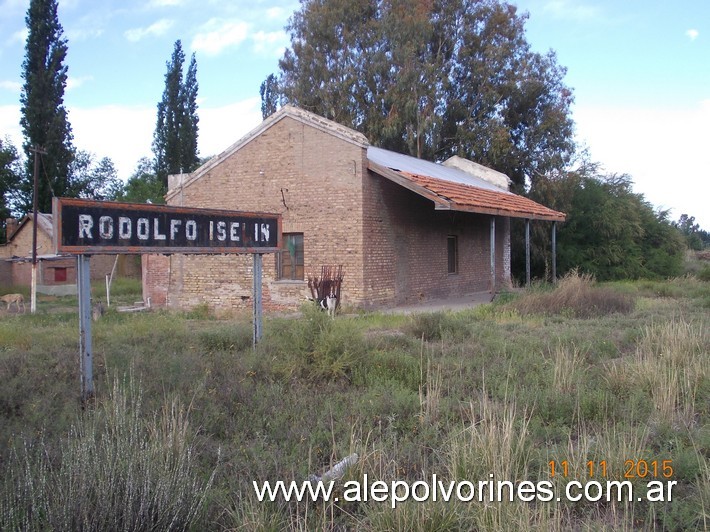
(313,179)
(406,256)
(390,241)
(5,273)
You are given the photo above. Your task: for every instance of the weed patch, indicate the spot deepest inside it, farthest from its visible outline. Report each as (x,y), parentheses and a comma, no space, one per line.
(314,347)
(496,390)
(114,472)
(575,296)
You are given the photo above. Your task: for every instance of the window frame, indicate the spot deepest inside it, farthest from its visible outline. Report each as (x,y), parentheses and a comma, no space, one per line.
(452,254)
(297,273)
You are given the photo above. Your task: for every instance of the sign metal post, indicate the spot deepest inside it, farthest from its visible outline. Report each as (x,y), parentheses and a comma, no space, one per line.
(86,227)
(86,362)
(257,274)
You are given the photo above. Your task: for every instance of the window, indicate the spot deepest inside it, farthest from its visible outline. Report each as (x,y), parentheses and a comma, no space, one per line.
(452,248)
(289,261)
(60,275)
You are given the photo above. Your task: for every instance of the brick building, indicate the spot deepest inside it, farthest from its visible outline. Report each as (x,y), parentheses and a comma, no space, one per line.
(404,230)
(56,274)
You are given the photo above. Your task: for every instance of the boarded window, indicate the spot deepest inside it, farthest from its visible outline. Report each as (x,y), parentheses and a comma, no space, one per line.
(60,275)
(289,261)
(452,247)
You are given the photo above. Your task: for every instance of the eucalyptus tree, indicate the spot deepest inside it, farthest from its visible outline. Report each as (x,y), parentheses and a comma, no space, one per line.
(432,79)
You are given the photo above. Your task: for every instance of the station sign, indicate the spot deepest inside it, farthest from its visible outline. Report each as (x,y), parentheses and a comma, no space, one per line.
(86,227)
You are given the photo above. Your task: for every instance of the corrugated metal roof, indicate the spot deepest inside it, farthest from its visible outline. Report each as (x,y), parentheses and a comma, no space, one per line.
(407,163)
(451,188)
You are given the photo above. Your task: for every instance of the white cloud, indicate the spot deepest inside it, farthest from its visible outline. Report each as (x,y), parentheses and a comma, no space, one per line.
(216,35)
(663,150)
(75,83)
(130,134)
(122,133)
(84,33)
(12,86)
(19,36)
(275,13)
(10,124)
(154,30)
(692,34)
(220,127)
(270,43)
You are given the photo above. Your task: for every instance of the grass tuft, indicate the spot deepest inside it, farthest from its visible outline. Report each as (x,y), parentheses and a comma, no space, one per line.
(115,471)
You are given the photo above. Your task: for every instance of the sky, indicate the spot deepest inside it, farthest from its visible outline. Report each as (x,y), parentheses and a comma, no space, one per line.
(639,70)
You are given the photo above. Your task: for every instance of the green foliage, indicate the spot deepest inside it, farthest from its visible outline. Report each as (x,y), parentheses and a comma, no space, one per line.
(44,119)
(94,180)
(143,185)
(432,80)
(611,232)
(695,237)
(314,346)
(496,391)
(436,325)
(269,97)
(230,337)
(10,176)
(175,136)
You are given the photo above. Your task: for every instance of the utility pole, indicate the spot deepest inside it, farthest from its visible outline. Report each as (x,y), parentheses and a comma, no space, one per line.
(33,305)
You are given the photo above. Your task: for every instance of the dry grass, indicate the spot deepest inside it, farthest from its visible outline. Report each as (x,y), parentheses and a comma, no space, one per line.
(429,390)
(568,370)
(114,472)
(671,362)
(576,295)
(494,391)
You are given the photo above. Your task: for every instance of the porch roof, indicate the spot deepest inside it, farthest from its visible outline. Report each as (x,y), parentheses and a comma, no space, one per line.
(453,189)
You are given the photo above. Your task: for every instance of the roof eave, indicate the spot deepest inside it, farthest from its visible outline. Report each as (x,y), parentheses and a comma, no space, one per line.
(388,173)
(556,217)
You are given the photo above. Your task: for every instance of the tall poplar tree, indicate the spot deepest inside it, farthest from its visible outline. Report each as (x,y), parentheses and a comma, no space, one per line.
(176,130)
(44,118)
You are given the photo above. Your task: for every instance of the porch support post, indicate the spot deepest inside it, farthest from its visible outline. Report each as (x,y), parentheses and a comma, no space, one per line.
(493,254)
(527,251)
(554,252)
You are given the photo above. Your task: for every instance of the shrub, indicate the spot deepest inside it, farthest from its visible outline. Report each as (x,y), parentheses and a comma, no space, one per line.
(576,295)
(227,337)
(314,346)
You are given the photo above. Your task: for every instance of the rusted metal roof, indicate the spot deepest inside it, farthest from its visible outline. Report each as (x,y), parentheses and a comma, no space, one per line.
(453,189)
